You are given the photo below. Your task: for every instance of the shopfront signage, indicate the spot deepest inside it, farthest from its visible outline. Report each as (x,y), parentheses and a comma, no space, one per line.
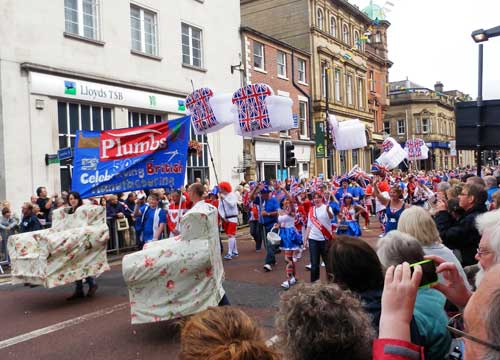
(63,87)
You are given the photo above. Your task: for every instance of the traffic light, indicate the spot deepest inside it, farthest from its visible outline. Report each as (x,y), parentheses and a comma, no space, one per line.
(289,155)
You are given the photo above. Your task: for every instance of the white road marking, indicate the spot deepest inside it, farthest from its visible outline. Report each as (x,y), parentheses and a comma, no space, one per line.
(62,325)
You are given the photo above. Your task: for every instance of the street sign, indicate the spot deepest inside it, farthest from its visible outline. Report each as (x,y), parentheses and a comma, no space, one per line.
(65,153)
(295,121)
(320,139)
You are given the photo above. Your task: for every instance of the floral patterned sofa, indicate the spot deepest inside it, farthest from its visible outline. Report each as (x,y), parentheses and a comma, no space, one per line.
(74,248)
(179,276)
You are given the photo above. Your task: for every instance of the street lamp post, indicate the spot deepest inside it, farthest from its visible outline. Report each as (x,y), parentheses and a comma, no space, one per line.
(480,36)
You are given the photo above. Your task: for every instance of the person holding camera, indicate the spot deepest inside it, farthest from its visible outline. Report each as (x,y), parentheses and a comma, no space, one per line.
(462,234)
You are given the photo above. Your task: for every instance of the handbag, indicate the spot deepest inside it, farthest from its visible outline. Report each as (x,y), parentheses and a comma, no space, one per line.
(273,237)
(343,227)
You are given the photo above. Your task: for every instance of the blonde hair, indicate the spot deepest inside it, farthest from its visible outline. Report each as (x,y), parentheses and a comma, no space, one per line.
(223,333)
(417,222)
(496,199)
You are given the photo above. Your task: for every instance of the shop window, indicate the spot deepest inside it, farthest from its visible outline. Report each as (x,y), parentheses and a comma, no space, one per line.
(140,119)
(72,117)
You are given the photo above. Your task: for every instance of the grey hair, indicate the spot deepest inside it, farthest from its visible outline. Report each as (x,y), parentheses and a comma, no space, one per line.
(491,220)
(397,247)
(492,328)
(490,181)
(443,186)
(417,222)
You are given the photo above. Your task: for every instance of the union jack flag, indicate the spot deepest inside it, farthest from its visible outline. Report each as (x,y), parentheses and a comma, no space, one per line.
(252,109)
(387,145)
(202,116)
(414,148)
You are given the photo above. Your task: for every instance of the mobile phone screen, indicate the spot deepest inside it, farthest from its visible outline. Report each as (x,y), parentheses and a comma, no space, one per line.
(429,275)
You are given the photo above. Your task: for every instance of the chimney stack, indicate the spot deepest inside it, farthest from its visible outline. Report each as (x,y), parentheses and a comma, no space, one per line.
(438,87)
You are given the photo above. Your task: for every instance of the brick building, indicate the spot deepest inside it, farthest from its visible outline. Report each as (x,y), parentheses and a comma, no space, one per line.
(334,32)
(287,71)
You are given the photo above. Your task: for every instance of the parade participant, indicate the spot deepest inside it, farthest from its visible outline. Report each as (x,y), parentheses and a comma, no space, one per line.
(176,209)
(394,206)
(344,189)
(348,211)
(75,201)
(150,219)
(268,216)
(196,193)
(318,233)
(228,211)
(291,240)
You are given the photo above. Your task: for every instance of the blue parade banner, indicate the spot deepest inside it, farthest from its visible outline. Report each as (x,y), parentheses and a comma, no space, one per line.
(146,157)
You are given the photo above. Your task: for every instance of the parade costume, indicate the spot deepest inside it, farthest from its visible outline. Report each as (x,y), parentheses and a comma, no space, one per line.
(228,210)
(174,216)
(392,218)
(348,225)
(291,241)
(319,223)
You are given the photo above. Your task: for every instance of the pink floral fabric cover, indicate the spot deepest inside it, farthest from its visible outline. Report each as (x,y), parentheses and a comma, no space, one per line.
(74,248)
(179,276)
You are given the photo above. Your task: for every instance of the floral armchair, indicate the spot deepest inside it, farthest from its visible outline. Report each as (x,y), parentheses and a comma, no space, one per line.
(74,248)
(179,276)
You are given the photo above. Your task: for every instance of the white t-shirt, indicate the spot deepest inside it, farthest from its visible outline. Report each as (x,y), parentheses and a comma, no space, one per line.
(378,205)
(321,213)
(230,207)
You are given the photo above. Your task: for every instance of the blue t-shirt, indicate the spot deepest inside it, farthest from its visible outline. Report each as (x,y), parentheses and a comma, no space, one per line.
(269,205)
(147,224)
(340,192)
(336,209)
(358,192)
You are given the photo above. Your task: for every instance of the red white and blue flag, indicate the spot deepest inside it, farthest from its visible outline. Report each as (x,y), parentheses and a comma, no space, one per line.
(202,115)
(252,110)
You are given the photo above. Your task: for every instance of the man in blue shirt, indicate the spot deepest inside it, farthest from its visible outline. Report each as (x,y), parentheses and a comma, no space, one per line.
(151,218)
(268,216)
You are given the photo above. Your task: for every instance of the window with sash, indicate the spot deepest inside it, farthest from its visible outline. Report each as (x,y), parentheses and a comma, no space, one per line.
(82,18)
(143,26)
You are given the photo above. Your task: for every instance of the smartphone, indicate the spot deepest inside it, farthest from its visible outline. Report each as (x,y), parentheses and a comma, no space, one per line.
(429,275)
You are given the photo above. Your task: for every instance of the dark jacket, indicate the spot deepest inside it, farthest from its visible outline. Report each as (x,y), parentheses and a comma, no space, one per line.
(112,210)
(29,223)
(462,234)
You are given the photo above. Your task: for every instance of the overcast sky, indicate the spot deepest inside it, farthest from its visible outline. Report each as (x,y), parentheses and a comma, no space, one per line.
(429,41)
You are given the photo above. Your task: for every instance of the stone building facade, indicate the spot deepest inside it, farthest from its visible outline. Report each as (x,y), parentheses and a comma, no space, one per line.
(286,70)
(334,32)
(428,114)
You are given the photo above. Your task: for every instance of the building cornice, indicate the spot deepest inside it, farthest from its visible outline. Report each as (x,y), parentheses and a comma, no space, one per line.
(246,29)
(32,67)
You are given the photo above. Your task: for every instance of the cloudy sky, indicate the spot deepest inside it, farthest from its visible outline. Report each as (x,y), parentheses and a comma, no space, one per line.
(429,41)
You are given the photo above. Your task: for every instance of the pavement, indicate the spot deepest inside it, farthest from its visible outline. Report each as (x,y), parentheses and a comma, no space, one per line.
(38,323)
